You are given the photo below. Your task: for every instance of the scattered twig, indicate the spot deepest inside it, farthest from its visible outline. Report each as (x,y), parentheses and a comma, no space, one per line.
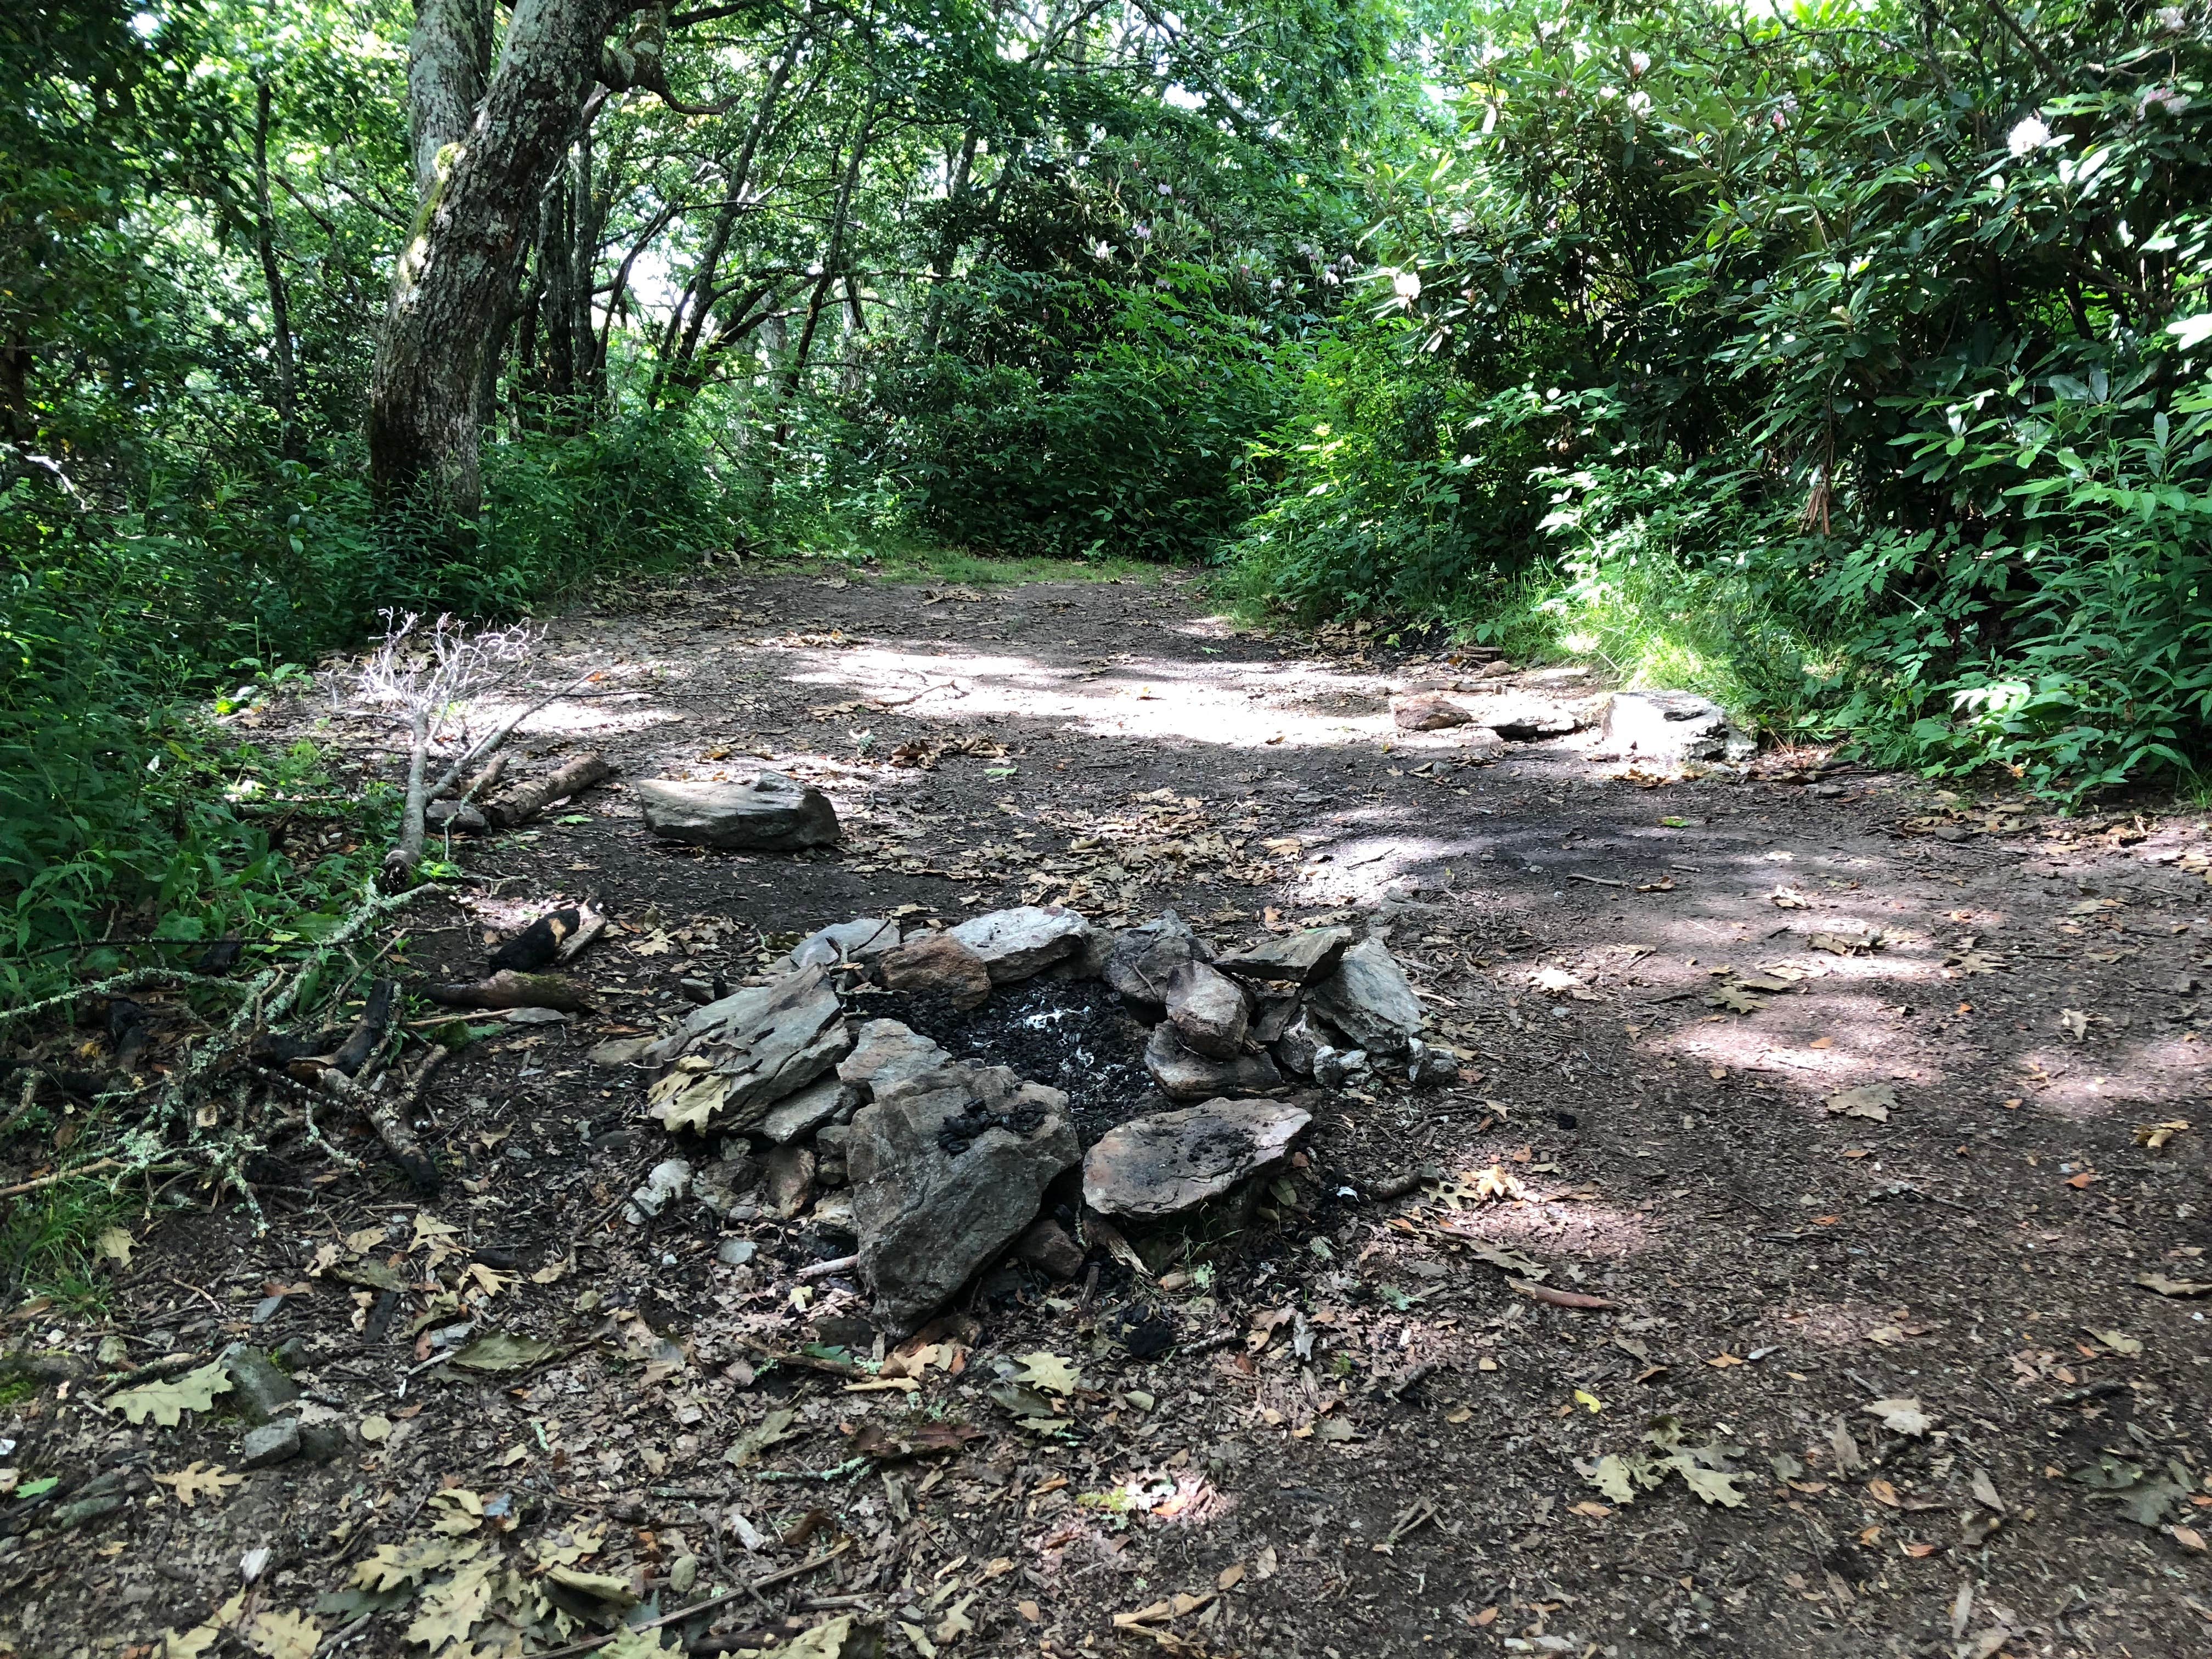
(781,1575)
(1560,1298)
(823,1269)
(804,1361)
(1595,881)
(94,1168)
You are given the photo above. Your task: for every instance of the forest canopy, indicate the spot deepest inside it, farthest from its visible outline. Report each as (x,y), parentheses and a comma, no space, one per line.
(1846,361)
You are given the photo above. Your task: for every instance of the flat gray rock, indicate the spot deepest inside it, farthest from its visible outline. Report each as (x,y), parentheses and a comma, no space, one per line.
(863,939)
(887,1053)
(258,1390)
(1208,1010)
(1522,717)
(1171,1161)
(731,1060)
(771,814)
(273,1443)
(1022,942)
(1143,959)
(796,1116)
(1304,957)
(1184,1075)
(1370,1000)
(948,1169)
(1672,728)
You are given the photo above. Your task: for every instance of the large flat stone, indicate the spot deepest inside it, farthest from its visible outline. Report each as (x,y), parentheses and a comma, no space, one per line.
(1171,1161)
(863,939)
(1370,1000)
(948,1169)
(1304,957)
(1022,942)
(735,1058)
(1672,728)
(771,814)
(1143,959)
(938,965)
(1522,717)
(797,1116)
(1208,1010)
(887,1053)
(1427,711)
(1184,1075)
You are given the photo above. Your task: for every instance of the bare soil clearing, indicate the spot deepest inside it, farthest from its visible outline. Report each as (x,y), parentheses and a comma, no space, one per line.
(1837,1096)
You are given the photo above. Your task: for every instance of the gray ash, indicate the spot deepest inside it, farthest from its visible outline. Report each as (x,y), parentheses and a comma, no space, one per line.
(1073,1035)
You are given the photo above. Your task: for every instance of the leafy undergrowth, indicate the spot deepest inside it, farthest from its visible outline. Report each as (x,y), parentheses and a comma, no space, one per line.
(56,1243)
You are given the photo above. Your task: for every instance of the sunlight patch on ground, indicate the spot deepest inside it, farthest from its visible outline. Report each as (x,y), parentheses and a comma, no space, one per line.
(1229,705)
(2160,1075)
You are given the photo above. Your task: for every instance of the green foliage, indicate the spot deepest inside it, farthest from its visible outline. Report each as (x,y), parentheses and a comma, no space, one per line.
(1051,444)
(1905,317)
(126,812)
(48,1247)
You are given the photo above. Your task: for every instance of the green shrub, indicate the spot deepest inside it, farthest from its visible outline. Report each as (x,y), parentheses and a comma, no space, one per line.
(1049,443)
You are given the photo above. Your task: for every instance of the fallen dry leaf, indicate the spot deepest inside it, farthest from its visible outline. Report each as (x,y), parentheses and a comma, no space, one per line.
(1901,1416)
(2166,1287)
(1869,1100)
(196,1481)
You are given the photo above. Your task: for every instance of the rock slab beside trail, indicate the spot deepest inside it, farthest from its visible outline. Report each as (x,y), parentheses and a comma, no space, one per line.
(736,1058)
(1171,1161)
(1143,959)
(1428,711)
(1301,957)
(773,813)
(1370,1000)
(1674,726)
(1184,1075)
(1522,718)
(1021,943)
(947,1169)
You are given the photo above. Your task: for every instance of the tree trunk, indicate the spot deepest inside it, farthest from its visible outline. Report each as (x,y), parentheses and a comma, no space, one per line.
(448,59)
(680,342)
(833,258)
(280,307)
(948,244)
(457,275)
(583,260)
(17,423)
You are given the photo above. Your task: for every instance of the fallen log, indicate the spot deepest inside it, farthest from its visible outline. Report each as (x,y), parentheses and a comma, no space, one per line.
(525,801)
(510,989)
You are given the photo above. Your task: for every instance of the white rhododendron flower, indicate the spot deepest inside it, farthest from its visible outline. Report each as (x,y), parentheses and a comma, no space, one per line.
(2030,136)
(1407,285)
(1639,63)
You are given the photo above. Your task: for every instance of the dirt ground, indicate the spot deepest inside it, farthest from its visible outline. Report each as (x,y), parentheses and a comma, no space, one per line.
(1839,1093)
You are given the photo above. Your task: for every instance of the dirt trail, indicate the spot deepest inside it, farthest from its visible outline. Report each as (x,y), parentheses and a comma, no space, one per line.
(1362,1439)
